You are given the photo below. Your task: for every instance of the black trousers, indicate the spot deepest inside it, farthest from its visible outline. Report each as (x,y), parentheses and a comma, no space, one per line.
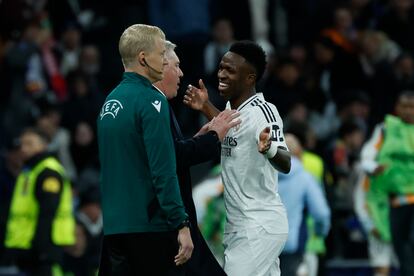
(147,254)
(402,231)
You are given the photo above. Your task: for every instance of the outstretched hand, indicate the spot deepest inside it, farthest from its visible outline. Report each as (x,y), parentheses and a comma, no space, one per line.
(195,97)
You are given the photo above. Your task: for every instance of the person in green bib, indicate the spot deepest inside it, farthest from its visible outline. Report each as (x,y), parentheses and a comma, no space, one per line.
(41,220)
(391,170)
(146,227)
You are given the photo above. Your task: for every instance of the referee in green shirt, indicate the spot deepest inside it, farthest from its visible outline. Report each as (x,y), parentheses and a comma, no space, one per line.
(142,208)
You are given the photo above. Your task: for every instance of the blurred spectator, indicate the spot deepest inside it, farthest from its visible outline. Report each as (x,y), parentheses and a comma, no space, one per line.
(10,165)
(325,53)
(204,191)
(19,110)
(83,104)
(388,158)
(285,87)
(403,74)
(82,259)
(305,18)
(40,221)
(43,68)
(222,38)
(209,204)
(69,49)
(398,23)
(371,207)
(90,66)
(49,123)
(376,48)
(84,148)
(341,160)
(213,226)
(298,53)
(260,11)
(343,32)
(365,13)
(299,190)
(241,21)
(343,154)
(329,84)
(5,46)
(90,15)
(376,57)
(187,24)
(355,105)
(313,164)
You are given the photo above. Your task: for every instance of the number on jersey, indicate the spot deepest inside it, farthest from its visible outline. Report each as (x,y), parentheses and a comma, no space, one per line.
(276,134)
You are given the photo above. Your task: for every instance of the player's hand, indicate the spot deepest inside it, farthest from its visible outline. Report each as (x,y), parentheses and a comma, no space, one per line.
(379,170)
(264,141)
(224,121)
(185,246)
(195,97)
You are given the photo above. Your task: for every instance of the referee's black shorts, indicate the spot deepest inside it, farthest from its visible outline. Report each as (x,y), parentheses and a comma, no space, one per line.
(149,254)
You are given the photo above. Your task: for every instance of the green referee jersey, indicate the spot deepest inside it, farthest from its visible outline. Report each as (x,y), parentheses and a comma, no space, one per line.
(139,185)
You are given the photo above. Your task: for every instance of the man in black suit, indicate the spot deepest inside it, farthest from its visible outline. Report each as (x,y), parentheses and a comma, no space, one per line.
(204,146)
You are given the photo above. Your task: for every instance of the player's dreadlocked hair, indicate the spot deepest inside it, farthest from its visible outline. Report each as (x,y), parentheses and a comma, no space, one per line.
(253,53)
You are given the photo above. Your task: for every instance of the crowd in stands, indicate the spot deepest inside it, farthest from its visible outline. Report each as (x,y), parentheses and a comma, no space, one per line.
(334,70)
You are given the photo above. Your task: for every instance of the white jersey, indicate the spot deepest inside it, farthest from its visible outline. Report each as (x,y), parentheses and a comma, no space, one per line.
(250,182)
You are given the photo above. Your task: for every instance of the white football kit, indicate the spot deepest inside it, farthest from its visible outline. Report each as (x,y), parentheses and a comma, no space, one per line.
(256,226)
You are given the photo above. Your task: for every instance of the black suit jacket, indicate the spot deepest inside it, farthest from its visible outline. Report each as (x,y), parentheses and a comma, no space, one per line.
(191,152)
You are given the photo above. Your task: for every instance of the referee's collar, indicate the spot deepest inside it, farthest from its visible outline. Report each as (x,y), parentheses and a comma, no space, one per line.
(159,90)
(135,77)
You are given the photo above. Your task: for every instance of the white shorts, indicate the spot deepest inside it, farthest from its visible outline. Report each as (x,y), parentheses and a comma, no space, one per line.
(253,252)
(381,254)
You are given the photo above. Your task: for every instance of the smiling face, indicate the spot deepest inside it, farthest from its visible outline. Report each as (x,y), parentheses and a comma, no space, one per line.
(236,77)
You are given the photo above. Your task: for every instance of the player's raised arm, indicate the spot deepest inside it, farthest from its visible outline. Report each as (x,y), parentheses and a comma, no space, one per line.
(197,99)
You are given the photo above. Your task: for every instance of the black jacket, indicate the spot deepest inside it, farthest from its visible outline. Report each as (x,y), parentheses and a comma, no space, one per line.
(190,152)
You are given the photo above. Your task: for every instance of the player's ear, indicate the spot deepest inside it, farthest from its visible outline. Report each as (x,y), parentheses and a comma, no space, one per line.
(251,79)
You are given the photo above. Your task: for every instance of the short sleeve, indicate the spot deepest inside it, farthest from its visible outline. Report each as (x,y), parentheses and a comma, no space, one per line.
(266,115)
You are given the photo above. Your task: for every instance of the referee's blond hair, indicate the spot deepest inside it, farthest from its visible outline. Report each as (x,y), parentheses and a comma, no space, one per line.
(135,39)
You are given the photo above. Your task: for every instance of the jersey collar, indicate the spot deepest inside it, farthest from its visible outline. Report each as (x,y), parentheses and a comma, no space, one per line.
(249,100)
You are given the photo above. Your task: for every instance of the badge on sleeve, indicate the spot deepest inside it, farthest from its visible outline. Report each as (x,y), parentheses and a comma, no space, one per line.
(51,185)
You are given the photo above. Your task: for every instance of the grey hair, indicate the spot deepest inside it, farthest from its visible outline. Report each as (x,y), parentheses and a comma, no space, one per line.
(169,48)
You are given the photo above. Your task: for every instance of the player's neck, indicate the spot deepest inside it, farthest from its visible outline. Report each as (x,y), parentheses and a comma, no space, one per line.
(236,102)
